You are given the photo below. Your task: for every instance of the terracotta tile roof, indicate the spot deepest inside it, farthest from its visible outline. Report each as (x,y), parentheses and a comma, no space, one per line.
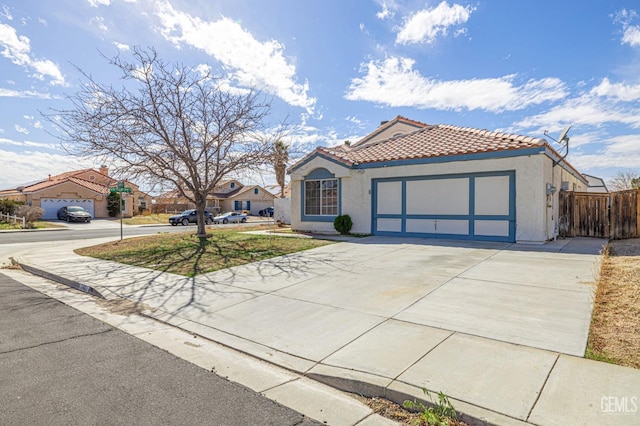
(72,176)
(101,189)
(432,141)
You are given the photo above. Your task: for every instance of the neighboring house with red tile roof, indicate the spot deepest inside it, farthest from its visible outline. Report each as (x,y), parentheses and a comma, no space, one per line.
(88,188)
(435,181)
(230,195)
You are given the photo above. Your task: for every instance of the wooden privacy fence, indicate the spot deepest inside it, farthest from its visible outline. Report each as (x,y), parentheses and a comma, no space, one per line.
(615,215)
(624,220)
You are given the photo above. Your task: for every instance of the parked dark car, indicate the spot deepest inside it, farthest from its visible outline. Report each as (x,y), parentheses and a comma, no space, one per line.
(268,212)
(233,217)
(73,214)
(190,216)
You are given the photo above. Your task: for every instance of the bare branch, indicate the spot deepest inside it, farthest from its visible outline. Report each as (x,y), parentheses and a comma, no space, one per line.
(167,124)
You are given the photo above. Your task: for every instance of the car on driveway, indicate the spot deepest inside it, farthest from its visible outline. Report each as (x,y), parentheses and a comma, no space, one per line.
(233,217)
(73,214)
(268,212)
(190,216)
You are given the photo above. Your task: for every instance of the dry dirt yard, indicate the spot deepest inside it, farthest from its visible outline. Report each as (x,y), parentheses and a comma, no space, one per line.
(615,327)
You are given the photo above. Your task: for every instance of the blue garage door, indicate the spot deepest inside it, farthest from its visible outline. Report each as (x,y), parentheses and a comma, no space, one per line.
(477,206)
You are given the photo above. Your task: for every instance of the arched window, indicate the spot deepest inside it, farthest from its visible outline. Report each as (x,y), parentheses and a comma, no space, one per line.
(321,193)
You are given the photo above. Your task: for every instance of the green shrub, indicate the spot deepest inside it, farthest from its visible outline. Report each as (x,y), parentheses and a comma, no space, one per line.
(343,224)
(113,204)
(9,206)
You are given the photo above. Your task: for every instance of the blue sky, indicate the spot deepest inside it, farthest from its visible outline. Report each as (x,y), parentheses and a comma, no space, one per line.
(337,68)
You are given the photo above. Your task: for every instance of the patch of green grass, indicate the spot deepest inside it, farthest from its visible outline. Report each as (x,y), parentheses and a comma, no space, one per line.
(598,356)
(437,413)
(185,254)
(5,226)
(41,224)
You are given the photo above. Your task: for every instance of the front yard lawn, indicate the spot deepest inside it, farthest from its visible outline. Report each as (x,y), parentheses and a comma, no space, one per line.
(615,327)
(182,253)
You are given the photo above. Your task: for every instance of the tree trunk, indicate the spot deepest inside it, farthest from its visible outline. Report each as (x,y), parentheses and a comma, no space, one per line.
(201,204)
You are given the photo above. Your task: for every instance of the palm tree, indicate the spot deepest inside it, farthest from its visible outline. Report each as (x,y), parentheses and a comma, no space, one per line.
(280,159)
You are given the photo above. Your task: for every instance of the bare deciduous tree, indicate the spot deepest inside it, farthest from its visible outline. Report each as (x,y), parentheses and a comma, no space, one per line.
(627,179)
(168,124)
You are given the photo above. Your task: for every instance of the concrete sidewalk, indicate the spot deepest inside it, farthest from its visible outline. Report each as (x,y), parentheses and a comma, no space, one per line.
(494,326)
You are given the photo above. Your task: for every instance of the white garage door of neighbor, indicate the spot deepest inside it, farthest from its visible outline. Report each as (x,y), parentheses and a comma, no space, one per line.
(470,206)
(51,205)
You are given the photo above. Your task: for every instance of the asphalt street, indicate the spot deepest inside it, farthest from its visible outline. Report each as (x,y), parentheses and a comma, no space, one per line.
(59,366)
(101,228)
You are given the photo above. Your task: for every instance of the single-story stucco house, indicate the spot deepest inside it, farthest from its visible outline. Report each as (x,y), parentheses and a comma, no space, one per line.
(87,188)
(409,178)
(229,195)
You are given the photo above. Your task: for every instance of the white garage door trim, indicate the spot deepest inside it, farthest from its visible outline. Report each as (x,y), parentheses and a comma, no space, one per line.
(51,205)
(473,206)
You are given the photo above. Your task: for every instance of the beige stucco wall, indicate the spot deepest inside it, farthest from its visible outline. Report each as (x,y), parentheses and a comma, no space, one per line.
(396,128)
(259,201)
(531,174)
(72,190)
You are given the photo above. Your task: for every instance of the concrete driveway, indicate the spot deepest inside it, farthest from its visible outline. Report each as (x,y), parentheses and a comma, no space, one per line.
(538,296)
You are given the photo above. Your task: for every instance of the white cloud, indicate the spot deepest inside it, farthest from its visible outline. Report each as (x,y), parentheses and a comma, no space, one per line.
(631,36)
(394,82)
(619,152)
(31,144)
(28,117)
(630,33)
(426,25)
(27,166)
(121,46)
(17,49)
(248,61)
(584,110)
(385,12)
(355,121)
(99,22)
(624,144)
(97,3)
(9,93)
(5,141)
(50,146)
(38,125)
(621,91)
(21,129)
(6,13)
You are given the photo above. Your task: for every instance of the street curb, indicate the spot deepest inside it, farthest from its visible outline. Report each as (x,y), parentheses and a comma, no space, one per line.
(471,414)
(53,277)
